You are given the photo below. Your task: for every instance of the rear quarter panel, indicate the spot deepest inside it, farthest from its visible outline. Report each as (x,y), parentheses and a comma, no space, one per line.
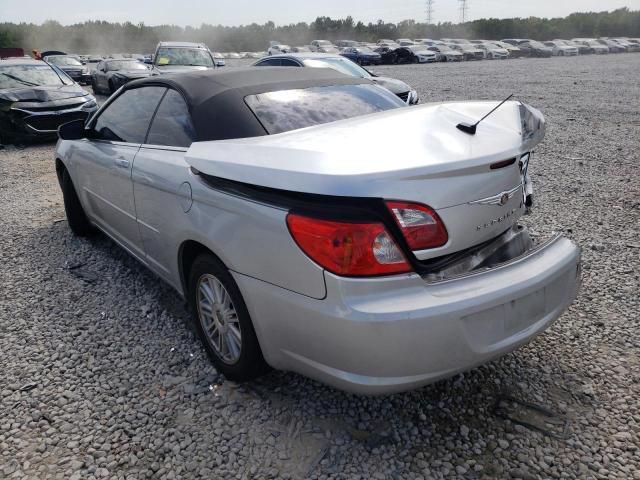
(253,239)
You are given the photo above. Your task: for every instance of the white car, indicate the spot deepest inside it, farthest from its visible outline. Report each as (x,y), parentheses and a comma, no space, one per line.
(593,45)
(492,51)
(446,54)
(423,54)
(323,46)
(561,49)
(276,48)
(306,236)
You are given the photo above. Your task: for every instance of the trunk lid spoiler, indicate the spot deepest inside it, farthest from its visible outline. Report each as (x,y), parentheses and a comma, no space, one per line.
(395,154)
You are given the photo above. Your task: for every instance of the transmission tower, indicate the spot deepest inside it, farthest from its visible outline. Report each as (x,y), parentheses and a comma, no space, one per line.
(464,8)
(430,12)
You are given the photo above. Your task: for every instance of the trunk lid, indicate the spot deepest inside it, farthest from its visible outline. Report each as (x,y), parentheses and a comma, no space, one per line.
(415,154)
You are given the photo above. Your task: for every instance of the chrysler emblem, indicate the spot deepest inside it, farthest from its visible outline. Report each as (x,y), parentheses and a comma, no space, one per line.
(500,199)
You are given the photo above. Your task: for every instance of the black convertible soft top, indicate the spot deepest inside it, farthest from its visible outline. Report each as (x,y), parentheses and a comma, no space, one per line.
(215,98)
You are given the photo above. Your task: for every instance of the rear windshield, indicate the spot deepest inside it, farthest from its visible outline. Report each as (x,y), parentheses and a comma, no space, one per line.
(16,76)
(286,110)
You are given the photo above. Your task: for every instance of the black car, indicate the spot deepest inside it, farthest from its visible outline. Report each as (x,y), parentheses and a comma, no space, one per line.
(388,55)
(71,66)
(110,75)
(36,98)
(342,65)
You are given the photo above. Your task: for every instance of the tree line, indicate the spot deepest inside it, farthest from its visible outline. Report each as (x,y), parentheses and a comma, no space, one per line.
(102,37)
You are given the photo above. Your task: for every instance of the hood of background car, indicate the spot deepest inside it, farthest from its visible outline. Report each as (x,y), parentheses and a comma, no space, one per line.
(133,73)
(396,86)
(177,68)
(42,94)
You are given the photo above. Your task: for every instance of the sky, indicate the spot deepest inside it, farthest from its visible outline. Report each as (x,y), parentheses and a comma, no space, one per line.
(241,12)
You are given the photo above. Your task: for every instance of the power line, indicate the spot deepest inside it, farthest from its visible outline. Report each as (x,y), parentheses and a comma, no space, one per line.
(430,12)
(464,9)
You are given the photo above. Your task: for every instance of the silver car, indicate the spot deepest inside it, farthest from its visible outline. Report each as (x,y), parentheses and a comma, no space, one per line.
(306,237)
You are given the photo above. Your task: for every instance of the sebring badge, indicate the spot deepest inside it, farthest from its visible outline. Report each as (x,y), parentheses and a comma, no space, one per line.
(499,219)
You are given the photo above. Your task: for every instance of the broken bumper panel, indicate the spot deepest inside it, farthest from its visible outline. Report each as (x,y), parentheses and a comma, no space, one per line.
(383,335)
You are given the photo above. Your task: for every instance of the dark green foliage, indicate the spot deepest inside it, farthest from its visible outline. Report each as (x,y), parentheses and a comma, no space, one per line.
(103,37)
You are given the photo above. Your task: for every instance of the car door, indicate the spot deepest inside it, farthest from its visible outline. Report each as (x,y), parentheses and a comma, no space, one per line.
(161,185)
(102,77)
(105,162)
(350,54)
(95,76)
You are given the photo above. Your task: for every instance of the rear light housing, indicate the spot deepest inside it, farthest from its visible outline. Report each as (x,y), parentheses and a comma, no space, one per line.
(353,249)
(421,226)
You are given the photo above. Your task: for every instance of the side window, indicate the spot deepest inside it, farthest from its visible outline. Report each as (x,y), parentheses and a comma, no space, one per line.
(172,124)
(286,62)
(127,118)
(269,62)
(99,66)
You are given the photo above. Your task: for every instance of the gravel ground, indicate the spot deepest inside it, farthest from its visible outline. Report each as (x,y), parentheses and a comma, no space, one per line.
(102,378)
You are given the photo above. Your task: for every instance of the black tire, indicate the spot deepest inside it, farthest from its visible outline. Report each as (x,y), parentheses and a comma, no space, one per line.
(251,363)
(78,221)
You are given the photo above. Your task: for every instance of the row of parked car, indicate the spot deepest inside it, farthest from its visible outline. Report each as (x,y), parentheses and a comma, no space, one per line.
(25,80)
(425,50)
(53,83)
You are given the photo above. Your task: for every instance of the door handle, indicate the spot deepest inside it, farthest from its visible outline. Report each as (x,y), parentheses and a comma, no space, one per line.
(122,162)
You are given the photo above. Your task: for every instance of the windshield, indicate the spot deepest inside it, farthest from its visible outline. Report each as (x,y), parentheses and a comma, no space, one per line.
(444,49)
(184,56)
(364,50)
(16,76)
(593,43)
(64,61)
(324,43)
(418,48)
(536,44)
(126,65)
(286,110)
(342,65)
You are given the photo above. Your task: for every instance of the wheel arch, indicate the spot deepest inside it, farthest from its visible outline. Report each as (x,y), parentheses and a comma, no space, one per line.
(60,168)
(187,253)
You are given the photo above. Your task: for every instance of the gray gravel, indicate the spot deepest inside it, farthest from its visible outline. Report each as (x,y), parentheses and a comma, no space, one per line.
(101,378)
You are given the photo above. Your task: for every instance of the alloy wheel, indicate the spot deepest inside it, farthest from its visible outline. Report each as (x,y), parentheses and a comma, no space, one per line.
(219,319)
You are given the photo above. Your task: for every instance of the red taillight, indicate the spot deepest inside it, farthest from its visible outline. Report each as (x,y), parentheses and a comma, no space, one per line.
(349,249)
(421,226)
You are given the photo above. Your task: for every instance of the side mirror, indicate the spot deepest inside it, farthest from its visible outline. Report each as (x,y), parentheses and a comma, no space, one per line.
(73,130)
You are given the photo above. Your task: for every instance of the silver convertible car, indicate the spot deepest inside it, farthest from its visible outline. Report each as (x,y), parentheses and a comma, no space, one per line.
(306,239)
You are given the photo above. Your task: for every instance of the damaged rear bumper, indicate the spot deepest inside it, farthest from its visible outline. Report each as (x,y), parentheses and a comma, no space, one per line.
(389,334)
